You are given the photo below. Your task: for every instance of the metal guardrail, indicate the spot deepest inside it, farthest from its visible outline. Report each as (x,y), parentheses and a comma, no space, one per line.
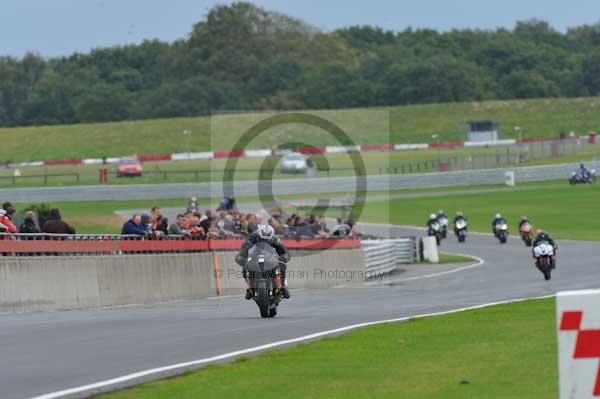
(385,255)
(44,176)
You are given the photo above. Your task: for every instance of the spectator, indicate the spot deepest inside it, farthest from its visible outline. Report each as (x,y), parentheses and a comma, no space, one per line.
(6,223)
(160,227)
(29,226)
(205,220)
(193,205)
(56,225)
(195,230)
(252,223)
(179,227)
(146,222)
(134,226)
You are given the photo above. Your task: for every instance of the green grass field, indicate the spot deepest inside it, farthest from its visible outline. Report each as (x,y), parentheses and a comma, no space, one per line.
(564,211)
(409,124)
(506,351)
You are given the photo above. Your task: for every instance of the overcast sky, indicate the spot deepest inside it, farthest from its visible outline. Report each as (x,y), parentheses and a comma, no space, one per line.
(61,27)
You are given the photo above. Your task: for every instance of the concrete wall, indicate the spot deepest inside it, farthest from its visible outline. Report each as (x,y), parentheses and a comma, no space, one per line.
(56,282)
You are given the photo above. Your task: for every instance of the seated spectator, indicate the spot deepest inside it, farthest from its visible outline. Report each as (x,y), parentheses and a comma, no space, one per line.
(29,226)
(179,227)
(56,225)
(134,226)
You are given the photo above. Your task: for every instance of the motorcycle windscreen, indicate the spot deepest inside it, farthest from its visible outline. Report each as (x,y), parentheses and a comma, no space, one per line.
(262,250)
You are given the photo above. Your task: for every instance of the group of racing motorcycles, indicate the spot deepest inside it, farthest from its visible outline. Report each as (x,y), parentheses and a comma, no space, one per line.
(543,246)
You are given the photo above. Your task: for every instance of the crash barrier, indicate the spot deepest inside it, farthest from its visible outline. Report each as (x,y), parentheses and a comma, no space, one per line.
(38,177)
(386,255)
(342,185)
(29,283)
(107,244)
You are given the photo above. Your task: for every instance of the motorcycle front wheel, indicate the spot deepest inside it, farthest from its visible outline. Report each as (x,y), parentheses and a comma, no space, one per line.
(263,301)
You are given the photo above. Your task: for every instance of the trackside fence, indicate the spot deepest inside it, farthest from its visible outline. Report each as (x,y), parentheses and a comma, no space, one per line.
(109,244)
(386,255)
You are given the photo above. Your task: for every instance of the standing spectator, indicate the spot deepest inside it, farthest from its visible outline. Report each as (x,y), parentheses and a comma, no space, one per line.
(134,226)
(193,204)
(205,220)
(160,227)
(29,226)
(56,225)
(6,220)
(195,230)
(179,227)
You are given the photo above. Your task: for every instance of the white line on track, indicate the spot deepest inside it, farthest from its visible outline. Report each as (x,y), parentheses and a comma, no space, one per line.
(480,262)
(131,378)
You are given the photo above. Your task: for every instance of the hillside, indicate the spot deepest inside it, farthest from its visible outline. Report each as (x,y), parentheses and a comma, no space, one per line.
(408,124)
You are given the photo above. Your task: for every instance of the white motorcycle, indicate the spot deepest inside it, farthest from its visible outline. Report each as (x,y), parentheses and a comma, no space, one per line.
(435,230)
(501,232)
(460,229)
(544,253)
(443,226)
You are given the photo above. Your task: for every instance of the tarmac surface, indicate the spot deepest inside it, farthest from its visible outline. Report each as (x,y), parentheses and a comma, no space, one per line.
(42,353)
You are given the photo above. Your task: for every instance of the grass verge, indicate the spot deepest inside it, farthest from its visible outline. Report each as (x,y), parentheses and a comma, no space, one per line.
(415,123)
(506,351)
(562,210)
(454,258)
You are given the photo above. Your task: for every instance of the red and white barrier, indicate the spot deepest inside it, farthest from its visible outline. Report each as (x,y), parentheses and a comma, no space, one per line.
(578,317)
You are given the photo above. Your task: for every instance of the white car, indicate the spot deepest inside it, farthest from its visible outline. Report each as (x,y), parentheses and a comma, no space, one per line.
(293,163)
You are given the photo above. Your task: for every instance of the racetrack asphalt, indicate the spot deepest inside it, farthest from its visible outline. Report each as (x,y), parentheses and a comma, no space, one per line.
(42,353)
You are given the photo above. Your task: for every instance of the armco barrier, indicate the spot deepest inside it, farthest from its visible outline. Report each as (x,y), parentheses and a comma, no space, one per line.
(385,256)
(289,186)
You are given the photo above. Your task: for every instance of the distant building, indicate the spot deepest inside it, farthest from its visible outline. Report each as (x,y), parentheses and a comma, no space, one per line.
(483,131)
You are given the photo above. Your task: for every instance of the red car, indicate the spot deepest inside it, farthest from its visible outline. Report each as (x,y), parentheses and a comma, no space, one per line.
(129,167)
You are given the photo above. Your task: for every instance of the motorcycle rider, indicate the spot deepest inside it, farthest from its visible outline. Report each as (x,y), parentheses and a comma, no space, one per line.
(583,171)
(497,220)
(265,233)
(523,221)
(459,216)
(541,235)
(432,219)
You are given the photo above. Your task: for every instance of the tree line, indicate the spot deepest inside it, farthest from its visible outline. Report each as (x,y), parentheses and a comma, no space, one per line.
(242,57)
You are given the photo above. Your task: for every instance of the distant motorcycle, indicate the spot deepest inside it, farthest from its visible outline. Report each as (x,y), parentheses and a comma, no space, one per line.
(443,220)
(526,233)
(544,253)
(583,178)
(460,229)
(264,276)
(435,230)
(501,231)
